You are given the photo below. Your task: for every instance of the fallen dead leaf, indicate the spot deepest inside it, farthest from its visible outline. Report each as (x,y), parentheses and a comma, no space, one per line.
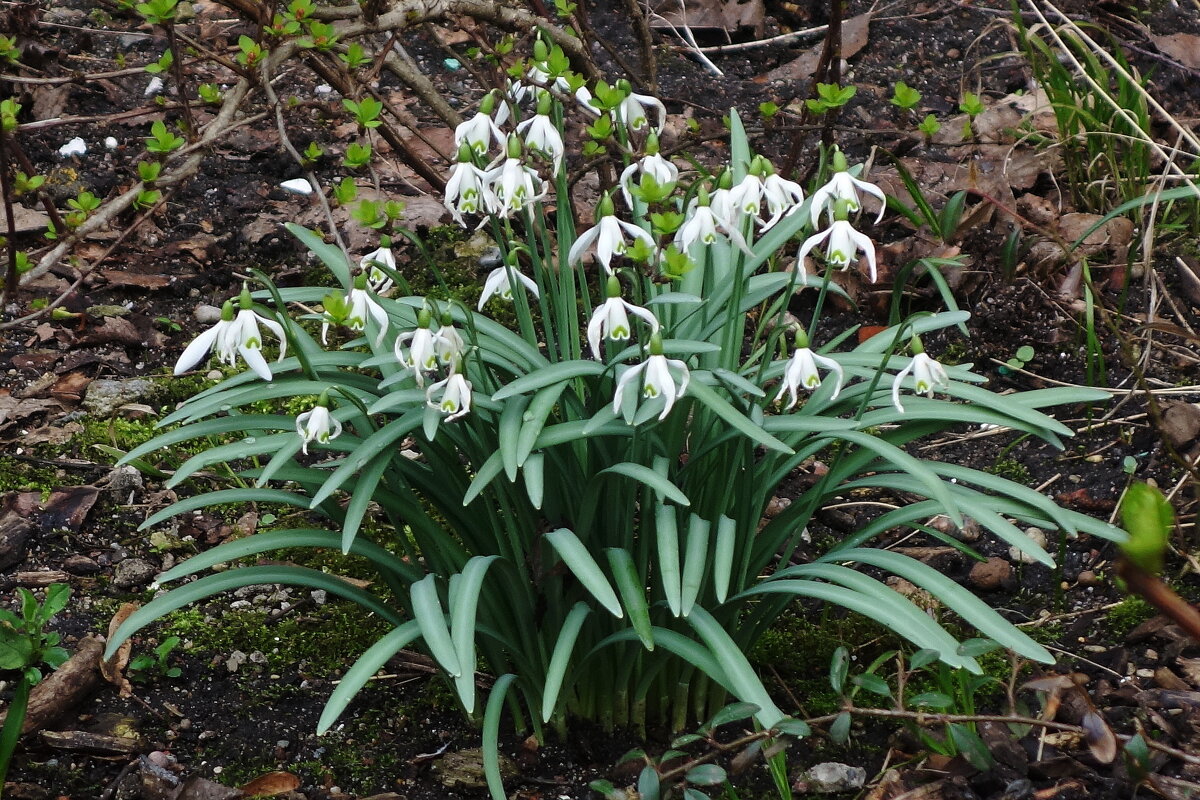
(272,783)
(855,34)
(118,277)
(113,669)
(69,507)
(1183,47)
(729,16)
(49,434)
(14,409)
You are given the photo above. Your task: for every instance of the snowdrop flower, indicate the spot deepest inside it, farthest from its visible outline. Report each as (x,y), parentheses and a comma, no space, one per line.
(451,396)
(421,353)
(362,306)
(703,224)
(448,344)
(608,235)
(611,319)
(541,135)
(782,196)
(927,374)
(514,186)
(632,110)
(653,166)
(843,187)
(480,131)
(234,335)
(801,372)
(377,279)
(467,190)
(498,283)
(317,425)
(842,247)
(656,378)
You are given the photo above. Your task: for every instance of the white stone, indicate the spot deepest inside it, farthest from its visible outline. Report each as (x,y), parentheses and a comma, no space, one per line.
(297,186)
(111,143)
(154,87)
(75,147)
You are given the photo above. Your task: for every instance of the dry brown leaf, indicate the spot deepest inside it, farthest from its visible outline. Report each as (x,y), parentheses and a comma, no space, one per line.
(720,15)
(113,669)
(48,434)
(13,409)
(1183,47)
(119,277)
(855,34)
(272,783)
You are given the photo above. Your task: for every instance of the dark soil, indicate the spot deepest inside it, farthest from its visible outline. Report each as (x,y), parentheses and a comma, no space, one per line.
(230,726)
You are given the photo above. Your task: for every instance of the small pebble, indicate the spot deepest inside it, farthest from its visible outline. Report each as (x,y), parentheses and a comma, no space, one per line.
(1088,578)
(111,143)
(154,87)
(297,186)
(75,147)
(1145,673)
(207,314)
(1038,537)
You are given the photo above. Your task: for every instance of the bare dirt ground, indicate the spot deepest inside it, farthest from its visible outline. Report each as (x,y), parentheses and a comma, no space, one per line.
(255,669)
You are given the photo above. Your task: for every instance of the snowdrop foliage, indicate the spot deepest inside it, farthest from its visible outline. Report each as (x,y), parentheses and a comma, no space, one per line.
(577,496)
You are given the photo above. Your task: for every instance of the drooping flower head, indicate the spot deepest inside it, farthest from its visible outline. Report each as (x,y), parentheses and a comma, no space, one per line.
(499,283)
(317,424)
(608,236)
(927,374)
(632,111)
(371,263)
(843,244)
(480,131)
(417,349)
(801,372)
(843,187)
(514,186)
(451,396)
(611,319)
(233,335)
(541,134)
(658,175)
(657,380)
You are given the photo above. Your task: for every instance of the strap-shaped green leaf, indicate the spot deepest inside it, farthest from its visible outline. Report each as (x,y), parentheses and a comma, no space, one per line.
(360,498)
(534,470)
(632,589)
(874,600)
(934,487)
(282,458)
(224,496)
(746,685)
(234,451)
(491,736)
(211,427)
(372,446)
(535,419)
(584,567)
(464,602)
(560,658)
(723,409)
(959,600)
(486,474)
(237,578)
(666,539)
(370,662)
(547,375)
(643,474)
(427,609)
(695,562)
(331,255)
(689,650)
(274,540)
(723,556)
(506,434)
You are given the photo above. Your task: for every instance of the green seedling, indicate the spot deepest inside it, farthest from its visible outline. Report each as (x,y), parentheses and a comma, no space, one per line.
(1023,356)
(282,26)
(162,65)
(148,666)
(929,126)
(300,10)
(158,12)
(312,153)
(355,57)
(9,108)
(357,155)
(904,96)
(768,109)
(161,140)
(320,36)
(972,106)
(149,171)
(23,184)
(147,198)
(368,214)
(25,647)
(209,93)
(366,111)
(250,52)
(1148,517)
(830,96)
(9,52)
(345,191)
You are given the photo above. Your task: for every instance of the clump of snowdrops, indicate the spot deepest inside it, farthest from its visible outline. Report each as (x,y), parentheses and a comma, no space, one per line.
(581,501)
